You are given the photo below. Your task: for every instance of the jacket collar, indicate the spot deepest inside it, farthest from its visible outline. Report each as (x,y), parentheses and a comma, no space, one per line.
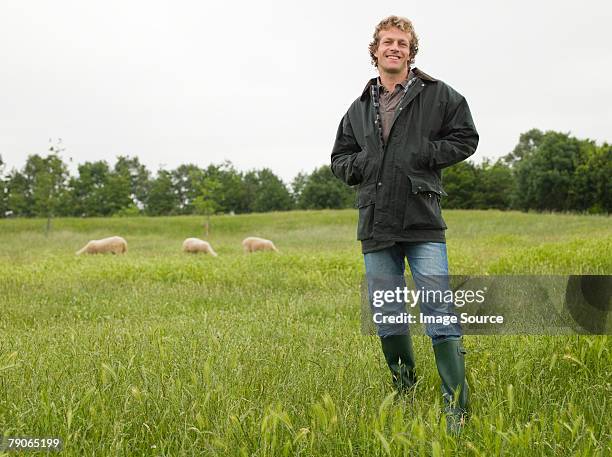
(418,73)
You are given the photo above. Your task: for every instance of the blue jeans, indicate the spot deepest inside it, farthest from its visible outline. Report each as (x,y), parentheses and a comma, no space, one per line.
(428,263)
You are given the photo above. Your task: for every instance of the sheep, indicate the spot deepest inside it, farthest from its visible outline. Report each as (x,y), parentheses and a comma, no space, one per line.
(113,244)
(252,244)
(195,245)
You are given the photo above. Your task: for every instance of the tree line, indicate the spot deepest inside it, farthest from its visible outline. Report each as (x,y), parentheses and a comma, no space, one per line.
(44,188)
(546,171)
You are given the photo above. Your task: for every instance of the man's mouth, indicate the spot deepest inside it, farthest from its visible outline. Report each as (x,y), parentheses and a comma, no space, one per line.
(393,57)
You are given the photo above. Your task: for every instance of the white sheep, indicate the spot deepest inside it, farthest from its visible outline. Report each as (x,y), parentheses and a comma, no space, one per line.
(195,245)
(113,244)
(252,244)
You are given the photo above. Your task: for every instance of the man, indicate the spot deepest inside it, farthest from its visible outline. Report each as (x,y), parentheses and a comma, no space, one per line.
(393,143)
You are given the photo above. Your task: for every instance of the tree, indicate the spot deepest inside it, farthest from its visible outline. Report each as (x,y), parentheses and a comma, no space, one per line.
(18,195)
(544,175)
(101,191)
(528,143)
(232,194)
(600,168)
(494,186)
(117,192)
(205,202)
(297,187)
(3,191)
(162,199)
(49,188)
(187,181)
(39,189)
(460,182)
(138,176)
(270,194)
(591,186)
(321,189)
(89,190)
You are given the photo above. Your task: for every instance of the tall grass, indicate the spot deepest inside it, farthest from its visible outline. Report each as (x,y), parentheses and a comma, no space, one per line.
(161,353)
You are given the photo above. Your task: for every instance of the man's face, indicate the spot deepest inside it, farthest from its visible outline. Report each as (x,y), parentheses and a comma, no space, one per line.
(393,51)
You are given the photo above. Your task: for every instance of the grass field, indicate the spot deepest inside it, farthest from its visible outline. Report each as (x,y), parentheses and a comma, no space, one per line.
(161,353)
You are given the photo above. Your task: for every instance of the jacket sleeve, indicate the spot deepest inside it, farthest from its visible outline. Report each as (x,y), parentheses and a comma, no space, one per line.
(457,139)
(344,158)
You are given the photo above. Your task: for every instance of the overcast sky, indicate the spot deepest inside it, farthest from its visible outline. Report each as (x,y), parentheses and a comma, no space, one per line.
(264,84)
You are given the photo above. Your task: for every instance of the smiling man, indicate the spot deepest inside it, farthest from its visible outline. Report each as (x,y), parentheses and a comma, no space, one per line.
(392,143)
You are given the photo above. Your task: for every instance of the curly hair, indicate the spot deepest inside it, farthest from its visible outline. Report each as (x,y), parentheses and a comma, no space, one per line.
(402,23)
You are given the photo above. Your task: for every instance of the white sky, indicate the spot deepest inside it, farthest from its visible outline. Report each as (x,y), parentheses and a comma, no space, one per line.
(264,84)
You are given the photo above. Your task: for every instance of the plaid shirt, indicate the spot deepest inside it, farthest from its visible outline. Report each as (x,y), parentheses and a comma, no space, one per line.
(388,103)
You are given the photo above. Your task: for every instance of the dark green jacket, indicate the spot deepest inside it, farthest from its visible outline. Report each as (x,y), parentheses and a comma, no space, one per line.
(399,185)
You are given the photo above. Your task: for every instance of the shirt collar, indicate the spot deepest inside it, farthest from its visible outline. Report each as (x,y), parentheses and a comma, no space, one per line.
(403,84)
(416,73)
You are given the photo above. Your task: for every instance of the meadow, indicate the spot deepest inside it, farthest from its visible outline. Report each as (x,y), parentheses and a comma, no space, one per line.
(160,353)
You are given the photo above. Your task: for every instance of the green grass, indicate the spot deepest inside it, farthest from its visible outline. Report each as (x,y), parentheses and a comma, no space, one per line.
(161,353)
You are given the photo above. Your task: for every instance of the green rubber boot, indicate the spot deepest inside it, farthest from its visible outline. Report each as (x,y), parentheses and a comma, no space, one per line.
(451,367)
(400,359)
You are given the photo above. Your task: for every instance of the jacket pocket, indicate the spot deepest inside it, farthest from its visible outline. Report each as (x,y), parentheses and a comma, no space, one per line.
(366,198)
(423,211)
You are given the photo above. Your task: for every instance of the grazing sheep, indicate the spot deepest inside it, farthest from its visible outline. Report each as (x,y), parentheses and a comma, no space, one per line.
(113,244)
(252,244)
(195,245)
